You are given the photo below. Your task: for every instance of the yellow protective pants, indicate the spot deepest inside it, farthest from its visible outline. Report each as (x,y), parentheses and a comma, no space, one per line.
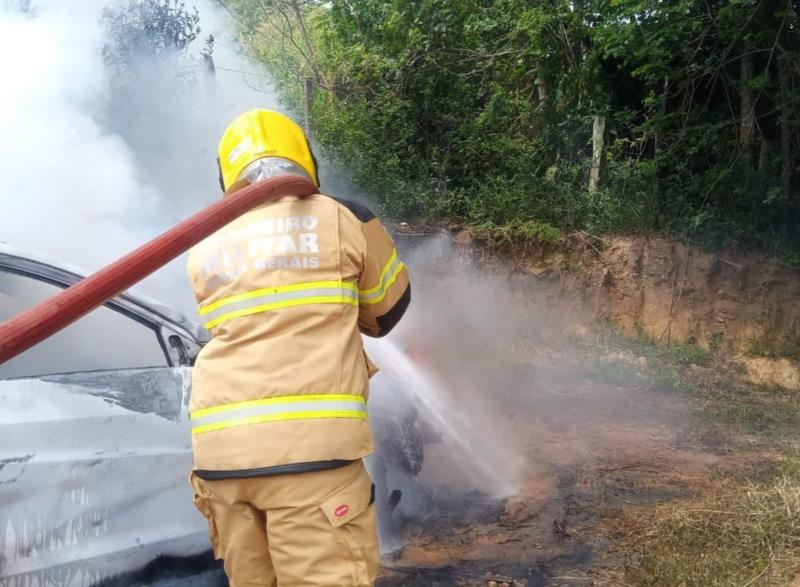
(313,529)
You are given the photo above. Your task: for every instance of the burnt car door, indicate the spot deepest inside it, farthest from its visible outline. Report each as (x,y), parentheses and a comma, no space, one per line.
(94,438)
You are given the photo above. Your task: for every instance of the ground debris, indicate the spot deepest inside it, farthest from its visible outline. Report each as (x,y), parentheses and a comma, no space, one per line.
(616,453)
(505,582)
(470,574)
(628,466)
(560,529)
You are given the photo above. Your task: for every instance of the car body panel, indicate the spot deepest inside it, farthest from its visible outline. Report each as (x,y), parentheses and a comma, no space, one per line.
(94,464)
(91,483)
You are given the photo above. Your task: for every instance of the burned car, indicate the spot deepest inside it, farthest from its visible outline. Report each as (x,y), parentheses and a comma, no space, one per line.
(95,444)
(94,438)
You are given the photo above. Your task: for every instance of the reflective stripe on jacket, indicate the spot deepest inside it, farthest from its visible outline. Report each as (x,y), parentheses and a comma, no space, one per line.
(285,291)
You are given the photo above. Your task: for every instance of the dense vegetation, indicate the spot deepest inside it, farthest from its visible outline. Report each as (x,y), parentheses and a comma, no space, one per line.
(144,32)
(678,116)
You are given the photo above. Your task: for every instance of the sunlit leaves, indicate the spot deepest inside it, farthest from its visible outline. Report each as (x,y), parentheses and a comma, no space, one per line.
(483,109)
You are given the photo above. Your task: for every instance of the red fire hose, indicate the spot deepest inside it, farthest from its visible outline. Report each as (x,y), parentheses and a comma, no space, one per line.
(36,324)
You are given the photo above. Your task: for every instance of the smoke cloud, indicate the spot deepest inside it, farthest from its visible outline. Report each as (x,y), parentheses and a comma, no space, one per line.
(91,172)
(88,173)
(62,172)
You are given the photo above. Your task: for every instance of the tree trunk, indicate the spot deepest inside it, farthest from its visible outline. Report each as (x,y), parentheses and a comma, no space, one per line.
(541,89)
(747,114)
(663,109)
(308,90)
(786,131)
(211,69)
(598,131)
(763,151)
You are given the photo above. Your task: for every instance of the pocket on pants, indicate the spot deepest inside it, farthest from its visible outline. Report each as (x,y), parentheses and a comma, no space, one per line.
(352,518)
(202,503)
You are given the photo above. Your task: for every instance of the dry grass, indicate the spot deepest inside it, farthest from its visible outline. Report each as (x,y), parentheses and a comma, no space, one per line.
(736,535)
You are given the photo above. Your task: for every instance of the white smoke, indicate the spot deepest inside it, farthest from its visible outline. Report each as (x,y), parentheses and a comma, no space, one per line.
(61,172)
(84,179)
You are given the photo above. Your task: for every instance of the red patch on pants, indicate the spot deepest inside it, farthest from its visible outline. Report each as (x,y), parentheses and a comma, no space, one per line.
(341,511)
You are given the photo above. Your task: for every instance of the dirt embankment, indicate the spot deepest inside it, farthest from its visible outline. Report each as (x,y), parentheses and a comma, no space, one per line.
(672,293)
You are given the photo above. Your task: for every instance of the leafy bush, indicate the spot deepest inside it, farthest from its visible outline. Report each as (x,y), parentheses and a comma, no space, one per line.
(484,111)
(146,29)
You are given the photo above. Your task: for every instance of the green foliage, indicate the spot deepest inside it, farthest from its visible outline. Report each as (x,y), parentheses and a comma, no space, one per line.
(786,345)
(146,29)
(483,111)
(517,231)
(681,355)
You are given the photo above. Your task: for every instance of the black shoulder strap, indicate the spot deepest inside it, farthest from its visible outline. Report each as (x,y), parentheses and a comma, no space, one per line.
(360,211)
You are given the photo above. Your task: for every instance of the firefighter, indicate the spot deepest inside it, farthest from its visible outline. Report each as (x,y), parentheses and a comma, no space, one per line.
(278,408)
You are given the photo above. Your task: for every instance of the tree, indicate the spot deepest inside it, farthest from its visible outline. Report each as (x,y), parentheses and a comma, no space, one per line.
(670,115)
(158,104)
(150,29)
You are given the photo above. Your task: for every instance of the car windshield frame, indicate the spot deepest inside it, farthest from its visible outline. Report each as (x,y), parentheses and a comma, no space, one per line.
(149,313)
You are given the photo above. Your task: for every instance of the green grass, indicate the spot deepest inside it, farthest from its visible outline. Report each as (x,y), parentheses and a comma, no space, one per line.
(720,399)
(679,354)
(771,413)
(785,346)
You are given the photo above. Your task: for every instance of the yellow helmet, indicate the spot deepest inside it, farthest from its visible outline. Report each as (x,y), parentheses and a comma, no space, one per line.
(258,134)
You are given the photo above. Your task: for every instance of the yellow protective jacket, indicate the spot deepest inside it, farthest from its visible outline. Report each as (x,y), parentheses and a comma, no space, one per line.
(285,290)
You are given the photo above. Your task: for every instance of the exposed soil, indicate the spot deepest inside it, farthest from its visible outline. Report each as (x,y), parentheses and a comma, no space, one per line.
(670,292)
